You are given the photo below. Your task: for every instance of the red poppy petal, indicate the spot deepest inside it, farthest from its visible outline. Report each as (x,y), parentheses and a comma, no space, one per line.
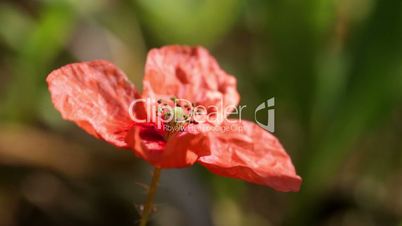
(245,151)
(191,74)
(96,96)
(181,150)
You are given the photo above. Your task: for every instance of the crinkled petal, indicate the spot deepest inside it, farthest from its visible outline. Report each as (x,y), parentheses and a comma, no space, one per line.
(245,151)
(96,96)
(180,150)
(189,73)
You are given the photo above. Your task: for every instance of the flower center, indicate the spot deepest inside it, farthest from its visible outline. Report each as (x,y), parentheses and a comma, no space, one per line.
(176,114)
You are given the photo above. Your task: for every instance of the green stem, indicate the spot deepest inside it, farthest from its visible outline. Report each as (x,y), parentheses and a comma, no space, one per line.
(150,197)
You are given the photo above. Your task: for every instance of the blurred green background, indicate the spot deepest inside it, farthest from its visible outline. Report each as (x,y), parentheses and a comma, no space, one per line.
(334,67)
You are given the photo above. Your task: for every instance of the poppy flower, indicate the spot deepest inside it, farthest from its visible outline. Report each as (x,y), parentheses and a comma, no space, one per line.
(99,98)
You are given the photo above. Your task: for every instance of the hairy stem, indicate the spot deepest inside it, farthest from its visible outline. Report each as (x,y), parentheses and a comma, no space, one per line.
(148,206)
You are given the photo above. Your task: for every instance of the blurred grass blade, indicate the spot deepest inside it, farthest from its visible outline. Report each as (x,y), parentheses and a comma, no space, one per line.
(17,26)
(373,90)
(34,55)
